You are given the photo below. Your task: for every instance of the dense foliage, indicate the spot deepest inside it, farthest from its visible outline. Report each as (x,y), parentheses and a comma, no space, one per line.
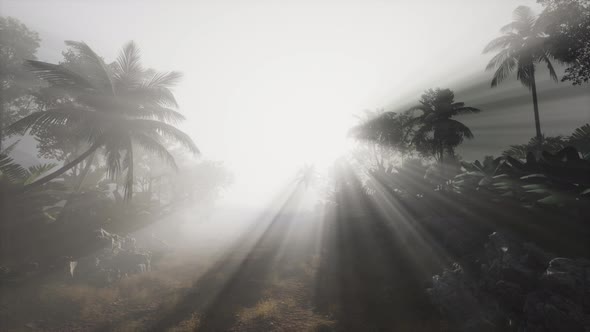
(567,23)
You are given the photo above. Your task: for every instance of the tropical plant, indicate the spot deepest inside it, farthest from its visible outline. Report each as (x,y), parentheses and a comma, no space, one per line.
(477,174)
(546,143)
(38,205)
(554,179)
(521,46)
(557,179)
(385,132)
(18,43)
(113,109)
(580,139)
(405,180)
(567,23)
(15,173)
(307,175)
(437,132)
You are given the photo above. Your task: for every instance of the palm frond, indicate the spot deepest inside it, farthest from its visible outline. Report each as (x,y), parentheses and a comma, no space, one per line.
(129,58)
(153,146)
(159,113)
(11,170)
(581,133)
(53,117)
(500,58)
(580,138)
(516,151)
(59,76)
(112,153)
(34,121)
(525,17)
(504,63)
(128,66)
(153,96)
(460,128)
(500,43)
(526,75)
(452,132)
(466,109)
(163,80)
(552,72)
(8,150)
(165,130)
(113,163)
(103,76)
(510,27)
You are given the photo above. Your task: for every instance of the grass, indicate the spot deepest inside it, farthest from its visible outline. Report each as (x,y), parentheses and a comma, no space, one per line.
(265,309)
(136,302)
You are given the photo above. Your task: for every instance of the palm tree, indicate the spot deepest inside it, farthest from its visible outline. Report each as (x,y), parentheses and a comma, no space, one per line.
(520,47)
(437,132)
(388,130)
(112,107)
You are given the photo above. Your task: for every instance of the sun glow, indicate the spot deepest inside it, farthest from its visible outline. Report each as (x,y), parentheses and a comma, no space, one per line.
(288,113)
(272,156)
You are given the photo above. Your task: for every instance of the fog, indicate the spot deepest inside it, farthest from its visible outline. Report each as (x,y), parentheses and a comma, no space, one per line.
(297,66)
(288,166)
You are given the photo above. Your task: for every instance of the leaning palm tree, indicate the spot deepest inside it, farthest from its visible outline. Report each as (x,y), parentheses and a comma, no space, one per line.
(520,47)
(112,108)
(437,132)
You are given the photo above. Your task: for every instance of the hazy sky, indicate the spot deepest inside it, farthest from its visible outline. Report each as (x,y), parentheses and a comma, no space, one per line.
(270,85)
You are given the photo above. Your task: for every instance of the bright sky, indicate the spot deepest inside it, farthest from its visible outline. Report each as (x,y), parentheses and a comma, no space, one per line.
(271,85)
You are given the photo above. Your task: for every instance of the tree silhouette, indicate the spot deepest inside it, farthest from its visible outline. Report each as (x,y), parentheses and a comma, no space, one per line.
(18,43)
(111,107)
(437,132)
(568,25)
(386,132)
(520,47)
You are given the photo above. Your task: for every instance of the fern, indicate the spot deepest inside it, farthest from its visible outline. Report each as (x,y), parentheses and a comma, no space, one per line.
(34,172)
(11,170)
(580,139)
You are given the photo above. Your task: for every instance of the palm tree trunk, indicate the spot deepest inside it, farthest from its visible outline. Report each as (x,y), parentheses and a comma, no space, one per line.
(129,180)
(1,121)
(536,107)
(63,169)
(85,171)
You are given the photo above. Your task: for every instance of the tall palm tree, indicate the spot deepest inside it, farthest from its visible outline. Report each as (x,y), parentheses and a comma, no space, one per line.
(437,132)
(112,107)
(520,47)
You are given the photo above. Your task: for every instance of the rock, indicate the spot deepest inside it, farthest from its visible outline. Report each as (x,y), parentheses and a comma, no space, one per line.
(120,256)
(72,267)
(109,239)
